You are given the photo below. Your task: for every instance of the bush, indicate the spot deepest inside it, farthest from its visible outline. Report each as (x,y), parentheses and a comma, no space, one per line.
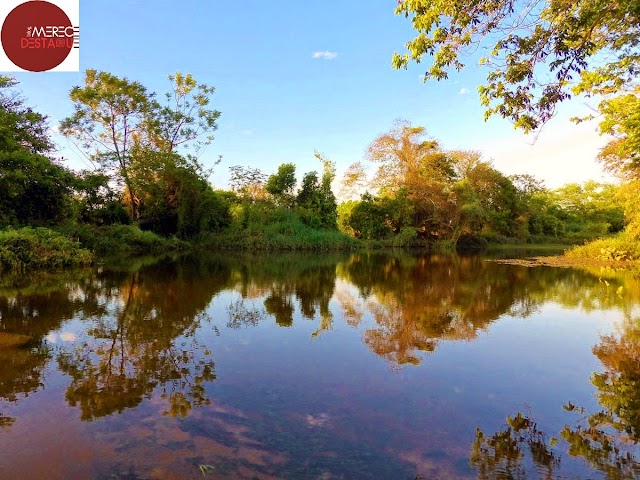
(33,248)
(619,248)
(122,240)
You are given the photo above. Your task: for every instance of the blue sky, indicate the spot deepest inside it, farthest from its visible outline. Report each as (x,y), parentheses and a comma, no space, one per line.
(279,103)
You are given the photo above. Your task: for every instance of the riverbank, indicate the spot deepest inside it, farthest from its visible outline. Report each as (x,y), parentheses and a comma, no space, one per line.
(73,245)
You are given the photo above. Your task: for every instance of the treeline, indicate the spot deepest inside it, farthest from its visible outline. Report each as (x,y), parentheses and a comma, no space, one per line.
(145,190)
(426,192)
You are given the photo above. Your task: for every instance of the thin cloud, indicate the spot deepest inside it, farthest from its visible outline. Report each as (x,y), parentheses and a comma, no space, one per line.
(463,91)
(325,55)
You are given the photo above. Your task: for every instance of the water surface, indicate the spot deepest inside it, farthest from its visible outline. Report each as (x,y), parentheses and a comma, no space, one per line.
(321,366)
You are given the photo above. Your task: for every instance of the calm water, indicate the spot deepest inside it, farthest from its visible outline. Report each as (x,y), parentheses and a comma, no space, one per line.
(325,367)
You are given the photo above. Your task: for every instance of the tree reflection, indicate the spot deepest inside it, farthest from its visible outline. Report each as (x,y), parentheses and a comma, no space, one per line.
(608,440)
(145,342)
(504,454)
(28,313)
(418,302)
(286,281)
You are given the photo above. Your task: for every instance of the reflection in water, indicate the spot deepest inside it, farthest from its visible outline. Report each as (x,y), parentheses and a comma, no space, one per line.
(134,354)
(502,456)
(607,439)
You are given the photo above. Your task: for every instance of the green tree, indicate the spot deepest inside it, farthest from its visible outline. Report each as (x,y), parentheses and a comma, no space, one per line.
(282,184)
(123,125)
(541,53)
(21,128)
(622,120)
(33,188)
(110,116)
(316,201)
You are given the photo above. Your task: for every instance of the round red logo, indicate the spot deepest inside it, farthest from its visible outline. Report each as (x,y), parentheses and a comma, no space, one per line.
(37,36)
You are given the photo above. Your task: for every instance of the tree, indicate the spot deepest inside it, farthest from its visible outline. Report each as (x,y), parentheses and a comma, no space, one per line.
(120,123)
(542,52)
(185,120)
(316,200)
(21,128)
(33,188)
(622,120)
(282,184)
(410,161)
(247,182)
(110,115)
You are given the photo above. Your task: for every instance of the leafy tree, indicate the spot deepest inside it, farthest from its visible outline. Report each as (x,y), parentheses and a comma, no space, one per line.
(120,122)
(185,119)
(96,201)
(282,184)
(541,50)
(376,218)
(408,160)
(110,116)
(247,182)
(20,127)
(622,120)
(33,188)
(316,201)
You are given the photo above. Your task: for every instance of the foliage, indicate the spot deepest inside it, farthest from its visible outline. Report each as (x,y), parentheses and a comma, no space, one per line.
(21,128)
(262,226)
(124,126)
(539,49)
(622,120)
(122,240)
(110,116)
(376,218)
(96,202)
(282,184)
(33,189)
(617,248)
(247,182)
(34,248)
(176,198)
(316,202)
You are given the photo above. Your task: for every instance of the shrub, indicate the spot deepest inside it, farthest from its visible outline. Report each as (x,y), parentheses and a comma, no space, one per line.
(33,248)
(618,248)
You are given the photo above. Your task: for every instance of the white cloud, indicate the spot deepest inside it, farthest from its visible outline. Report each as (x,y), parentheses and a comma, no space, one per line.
(463,91)
(325,55)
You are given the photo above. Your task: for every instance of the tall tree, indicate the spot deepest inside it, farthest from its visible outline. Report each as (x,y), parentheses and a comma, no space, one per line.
(110,116)
(20,126)
(121,123)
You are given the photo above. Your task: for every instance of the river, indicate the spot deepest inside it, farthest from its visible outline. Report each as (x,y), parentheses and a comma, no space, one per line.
(384,365)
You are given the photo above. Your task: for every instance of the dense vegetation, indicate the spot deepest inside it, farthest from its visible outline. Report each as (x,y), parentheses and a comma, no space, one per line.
(424,192)
(147,192)
(541,54)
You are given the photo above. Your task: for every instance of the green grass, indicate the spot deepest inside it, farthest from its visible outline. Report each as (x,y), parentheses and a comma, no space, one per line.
(40,248)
